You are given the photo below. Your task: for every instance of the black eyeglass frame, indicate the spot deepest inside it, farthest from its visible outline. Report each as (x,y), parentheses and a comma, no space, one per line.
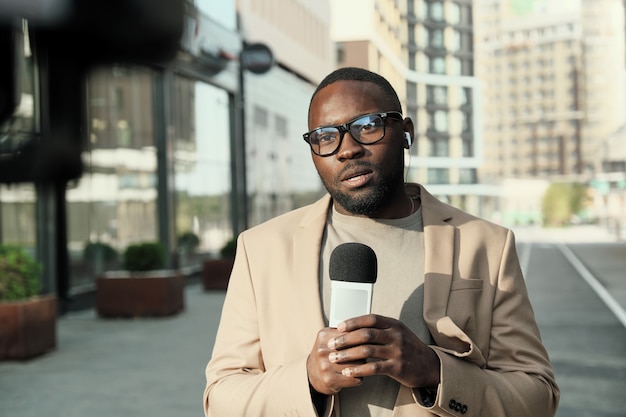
(344,128)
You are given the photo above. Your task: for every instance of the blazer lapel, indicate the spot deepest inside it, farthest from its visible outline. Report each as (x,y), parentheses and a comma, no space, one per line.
(307,246)
(439,247)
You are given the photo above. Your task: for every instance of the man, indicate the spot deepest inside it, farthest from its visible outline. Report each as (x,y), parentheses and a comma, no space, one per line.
(451,332)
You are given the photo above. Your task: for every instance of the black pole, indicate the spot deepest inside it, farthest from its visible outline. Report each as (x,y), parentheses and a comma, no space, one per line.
(62,126)
(239,199)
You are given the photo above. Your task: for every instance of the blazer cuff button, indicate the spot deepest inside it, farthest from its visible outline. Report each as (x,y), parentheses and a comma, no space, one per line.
(457,406)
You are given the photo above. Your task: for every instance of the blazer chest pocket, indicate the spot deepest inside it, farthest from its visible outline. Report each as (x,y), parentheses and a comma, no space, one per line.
(463,303)
(466,284)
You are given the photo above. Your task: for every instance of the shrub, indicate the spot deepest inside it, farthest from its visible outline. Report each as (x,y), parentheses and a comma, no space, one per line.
(188,242)
(562,201)
(99,250)
(145,256)
(229,249)
(19,274)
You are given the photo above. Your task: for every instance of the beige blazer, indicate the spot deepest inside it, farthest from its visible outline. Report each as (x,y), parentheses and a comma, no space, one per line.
(476,306)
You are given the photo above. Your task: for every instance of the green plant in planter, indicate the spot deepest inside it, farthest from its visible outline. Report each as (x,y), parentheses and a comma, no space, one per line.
(216,272)
(28,319)
(229,248)
(145,288)
(98,251)
(188,242)
(19,274)
(144,256)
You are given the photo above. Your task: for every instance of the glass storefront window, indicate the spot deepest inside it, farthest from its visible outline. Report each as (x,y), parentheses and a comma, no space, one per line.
(114,203)
(18,225)
(17,215)
(202,165)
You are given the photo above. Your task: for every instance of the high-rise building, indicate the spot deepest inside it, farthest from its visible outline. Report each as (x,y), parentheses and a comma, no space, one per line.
(425,49)
(604,127)
(552,76)
(530,68)
(604,87)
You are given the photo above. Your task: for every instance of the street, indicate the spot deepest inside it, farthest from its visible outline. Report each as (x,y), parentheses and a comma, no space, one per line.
(155,367)
(585,339)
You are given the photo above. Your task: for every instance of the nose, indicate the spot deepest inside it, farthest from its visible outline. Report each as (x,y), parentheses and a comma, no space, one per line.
(349,147)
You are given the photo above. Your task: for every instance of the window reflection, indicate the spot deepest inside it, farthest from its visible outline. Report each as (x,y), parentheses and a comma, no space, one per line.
(201,146)
(18,201)
(114,204)
(17,215)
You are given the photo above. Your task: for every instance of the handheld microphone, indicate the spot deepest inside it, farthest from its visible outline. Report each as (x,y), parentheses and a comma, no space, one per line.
(353,269)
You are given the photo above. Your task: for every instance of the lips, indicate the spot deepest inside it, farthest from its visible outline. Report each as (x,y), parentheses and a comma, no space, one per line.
(352,172)
(356,177)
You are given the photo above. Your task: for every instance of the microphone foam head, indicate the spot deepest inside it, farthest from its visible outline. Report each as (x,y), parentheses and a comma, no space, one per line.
(353,262)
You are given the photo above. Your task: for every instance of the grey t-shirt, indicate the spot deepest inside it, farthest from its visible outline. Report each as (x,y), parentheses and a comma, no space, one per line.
(398,292)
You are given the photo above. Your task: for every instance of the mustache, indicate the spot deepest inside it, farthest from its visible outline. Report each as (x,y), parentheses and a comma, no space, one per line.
(354,167)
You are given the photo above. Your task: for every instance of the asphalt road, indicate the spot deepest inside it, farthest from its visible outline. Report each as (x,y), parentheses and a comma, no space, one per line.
(581,320)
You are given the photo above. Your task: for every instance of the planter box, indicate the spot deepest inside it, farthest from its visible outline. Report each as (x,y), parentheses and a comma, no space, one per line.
(28,327)
(149,294)
(216,273)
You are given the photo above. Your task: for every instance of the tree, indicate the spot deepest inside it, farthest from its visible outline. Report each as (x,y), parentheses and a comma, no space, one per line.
(561,201)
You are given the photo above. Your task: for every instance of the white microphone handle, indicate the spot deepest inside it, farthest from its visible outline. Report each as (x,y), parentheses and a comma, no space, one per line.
(349,299)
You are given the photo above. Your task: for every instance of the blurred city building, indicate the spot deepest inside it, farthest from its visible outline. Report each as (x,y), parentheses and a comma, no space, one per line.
(426,50)
(604,126)
(280,174)
(552,77)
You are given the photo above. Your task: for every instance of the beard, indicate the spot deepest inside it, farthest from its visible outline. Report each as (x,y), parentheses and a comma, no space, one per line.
(370,201)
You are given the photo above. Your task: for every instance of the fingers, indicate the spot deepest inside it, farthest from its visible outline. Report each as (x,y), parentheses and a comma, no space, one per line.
(367,369)
(325,376)
(359,352)
(361,336)
(369,320)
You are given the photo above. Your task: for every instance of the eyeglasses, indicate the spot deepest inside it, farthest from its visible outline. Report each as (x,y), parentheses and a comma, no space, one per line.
(366,130)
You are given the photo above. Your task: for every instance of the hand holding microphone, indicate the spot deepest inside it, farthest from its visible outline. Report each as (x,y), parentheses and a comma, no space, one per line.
(359,344)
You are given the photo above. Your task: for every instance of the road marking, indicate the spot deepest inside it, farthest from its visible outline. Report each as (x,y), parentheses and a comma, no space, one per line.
(524,257)
(593,282)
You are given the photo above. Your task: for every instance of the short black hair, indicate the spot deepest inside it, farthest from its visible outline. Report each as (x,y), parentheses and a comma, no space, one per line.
(361,74)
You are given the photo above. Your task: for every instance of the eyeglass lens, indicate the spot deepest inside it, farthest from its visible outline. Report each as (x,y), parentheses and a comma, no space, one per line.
(367,129)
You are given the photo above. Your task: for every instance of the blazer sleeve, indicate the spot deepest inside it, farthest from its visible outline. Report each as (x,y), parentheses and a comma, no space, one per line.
(237,381)
(512,376)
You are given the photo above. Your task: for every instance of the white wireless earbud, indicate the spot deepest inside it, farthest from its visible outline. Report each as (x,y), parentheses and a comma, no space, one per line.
(407,135)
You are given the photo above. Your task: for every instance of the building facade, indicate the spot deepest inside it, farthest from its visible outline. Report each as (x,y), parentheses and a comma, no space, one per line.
(604,106)
(532,73)
(553,86)
(280,173)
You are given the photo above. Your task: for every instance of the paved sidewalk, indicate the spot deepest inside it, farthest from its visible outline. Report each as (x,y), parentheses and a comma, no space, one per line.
(111,368)
(572,234)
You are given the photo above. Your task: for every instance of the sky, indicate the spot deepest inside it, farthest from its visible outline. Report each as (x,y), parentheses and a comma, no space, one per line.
(221,11)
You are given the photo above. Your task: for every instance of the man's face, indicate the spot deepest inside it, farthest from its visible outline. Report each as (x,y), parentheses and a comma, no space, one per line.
(362,179)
